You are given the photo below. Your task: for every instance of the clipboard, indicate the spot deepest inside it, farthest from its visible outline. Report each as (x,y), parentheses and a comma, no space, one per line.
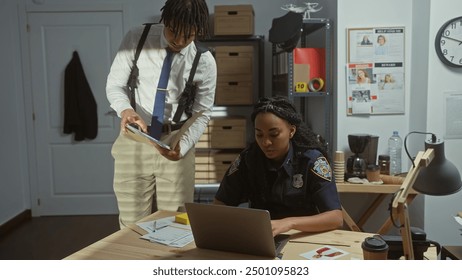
(140,136)
(136,134)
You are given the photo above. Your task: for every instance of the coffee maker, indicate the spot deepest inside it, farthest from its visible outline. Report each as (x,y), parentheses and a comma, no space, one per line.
(356,164)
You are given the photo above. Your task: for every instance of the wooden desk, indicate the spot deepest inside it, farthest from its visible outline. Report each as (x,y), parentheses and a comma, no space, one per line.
(451,252)
(126,244)
(382,191)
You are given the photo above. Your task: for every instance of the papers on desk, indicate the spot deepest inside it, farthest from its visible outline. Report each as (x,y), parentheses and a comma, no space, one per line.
(458,219)
(166,231)
(324,253)
(357,180)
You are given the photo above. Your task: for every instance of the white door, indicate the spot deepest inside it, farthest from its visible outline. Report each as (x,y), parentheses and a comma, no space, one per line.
(74,178)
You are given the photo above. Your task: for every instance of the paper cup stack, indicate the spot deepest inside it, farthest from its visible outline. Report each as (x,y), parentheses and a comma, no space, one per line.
(339,167)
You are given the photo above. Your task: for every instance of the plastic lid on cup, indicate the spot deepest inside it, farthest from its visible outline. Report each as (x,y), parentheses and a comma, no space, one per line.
(374,244)
(373,167)
(384,157)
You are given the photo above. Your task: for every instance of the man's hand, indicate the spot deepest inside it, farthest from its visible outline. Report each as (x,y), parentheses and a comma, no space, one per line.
(173,155)
(130,116)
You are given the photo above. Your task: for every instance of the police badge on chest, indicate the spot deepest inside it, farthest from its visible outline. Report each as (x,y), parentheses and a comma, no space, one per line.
(297,181)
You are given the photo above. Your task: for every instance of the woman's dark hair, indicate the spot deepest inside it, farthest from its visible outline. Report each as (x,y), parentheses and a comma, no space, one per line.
(280,106)
(186,16)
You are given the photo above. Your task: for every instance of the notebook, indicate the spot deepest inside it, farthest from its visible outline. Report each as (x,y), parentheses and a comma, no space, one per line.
(140,136)
(234,229)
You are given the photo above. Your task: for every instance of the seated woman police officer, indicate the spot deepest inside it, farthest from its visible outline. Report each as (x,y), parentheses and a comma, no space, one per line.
(285,172)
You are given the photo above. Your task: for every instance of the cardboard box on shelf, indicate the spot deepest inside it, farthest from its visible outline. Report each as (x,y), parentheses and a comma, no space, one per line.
(234,20)
(234,90)
(227,133)
(234,60)
(224,133)
(211,166)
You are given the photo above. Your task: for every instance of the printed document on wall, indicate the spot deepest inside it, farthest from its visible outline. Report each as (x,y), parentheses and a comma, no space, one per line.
(453,121)
(375,71)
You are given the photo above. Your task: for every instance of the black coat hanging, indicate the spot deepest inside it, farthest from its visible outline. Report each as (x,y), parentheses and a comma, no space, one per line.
(80,109)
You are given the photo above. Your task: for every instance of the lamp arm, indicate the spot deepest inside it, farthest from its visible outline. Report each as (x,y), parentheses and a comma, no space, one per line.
(399,206)
(422,159)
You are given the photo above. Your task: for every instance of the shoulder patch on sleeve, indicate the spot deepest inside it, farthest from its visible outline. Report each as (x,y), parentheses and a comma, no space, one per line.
(234,166)
(321,168)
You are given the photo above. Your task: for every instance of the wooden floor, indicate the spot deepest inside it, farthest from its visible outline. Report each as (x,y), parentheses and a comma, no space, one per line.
(53,238)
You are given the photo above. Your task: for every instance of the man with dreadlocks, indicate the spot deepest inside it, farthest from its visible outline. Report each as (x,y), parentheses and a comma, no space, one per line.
(144,174)
(285,172)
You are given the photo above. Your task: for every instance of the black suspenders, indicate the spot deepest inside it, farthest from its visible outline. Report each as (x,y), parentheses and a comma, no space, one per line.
(132,82)
(188,94)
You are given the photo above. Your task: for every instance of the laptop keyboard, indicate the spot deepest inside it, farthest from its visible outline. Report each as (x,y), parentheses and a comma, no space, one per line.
(280,241)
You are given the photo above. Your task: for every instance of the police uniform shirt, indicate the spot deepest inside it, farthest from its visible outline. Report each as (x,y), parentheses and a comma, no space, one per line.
(303,185)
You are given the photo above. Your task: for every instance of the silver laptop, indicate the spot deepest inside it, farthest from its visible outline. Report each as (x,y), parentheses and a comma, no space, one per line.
(234,229)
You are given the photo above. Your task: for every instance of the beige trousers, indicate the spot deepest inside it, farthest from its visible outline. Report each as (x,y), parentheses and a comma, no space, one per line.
(141,174)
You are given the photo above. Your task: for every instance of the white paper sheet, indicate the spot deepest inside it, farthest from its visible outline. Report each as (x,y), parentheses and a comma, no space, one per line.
(166,231)
(458,219)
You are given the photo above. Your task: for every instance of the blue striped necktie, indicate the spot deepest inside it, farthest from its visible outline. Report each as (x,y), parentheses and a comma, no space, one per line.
(159,103)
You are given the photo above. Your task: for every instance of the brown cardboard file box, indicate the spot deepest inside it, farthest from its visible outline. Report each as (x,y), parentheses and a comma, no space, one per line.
(234,60)
(224,133)
(227,133)
(234,20)
(212,166)
(202,168)
(219,164)
(234,90)
(235,75)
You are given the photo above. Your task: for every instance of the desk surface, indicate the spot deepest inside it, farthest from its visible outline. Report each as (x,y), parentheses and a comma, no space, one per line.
(382,191)
(452,252)
(369,188)
(126,244)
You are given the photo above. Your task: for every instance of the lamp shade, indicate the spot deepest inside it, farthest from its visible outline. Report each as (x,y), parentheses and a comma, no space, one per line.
(441,176)
(286,31)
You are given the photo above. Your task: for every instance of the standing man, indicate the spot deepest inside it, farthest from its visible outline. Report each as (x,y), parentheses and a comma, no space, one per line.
(146,173)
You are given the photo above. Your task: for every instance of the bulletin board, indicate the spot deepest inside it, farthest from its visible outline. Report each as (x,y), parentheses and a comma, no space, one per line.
(375,71)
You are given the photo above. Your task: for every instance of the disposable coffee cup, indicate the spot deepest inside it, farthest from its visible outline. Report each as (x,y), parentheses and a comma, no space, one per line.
(373,173)
(339,156)
(374,248)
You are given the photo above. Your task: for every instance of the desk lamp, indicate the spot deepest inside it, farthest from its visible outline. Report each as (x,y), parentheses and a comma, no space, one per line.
(431,173)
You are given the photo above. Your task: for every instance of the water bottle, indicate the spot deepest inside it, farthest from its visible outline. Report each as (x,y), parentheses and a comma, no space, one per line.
(395,144)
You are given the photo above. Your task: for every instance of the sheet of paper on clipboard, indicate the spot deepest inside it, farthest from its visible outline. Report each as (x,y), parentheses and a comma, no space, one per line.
(138,135)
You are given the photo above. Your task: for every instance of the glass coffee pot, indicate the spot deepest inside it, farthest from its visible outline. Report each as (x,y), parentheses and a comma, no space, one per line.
(356,165)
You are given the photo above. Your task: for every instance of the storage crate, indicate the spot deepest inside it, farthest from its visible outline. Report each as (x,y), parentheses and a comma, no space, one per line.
(234,20)
(224,133)
(212,166)
(234,60)
(234,90)
(219,164)
(227,133)
(202,168)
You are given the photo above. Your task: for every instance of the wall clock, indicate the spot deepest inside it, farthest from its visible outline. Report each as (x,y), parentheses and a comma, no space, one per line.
(448,42)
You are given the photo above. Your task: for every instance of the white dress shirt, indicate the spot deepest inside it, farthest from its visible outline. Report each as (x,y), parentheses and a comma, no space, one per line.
(150,64)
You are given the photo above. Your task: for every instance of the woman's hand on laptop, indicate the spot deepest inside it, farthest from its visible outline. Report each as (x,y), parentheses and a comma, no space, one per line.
(328,220)
(281,226)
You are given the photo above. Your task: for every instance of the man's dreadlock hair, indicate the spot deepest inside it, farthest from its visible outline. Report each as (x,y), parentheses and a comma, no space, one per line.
(280,106)
(186,16)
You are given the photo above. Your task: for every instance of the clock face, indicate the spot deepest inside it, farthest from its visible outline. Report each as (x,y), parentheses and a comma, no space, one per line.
(448,43)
